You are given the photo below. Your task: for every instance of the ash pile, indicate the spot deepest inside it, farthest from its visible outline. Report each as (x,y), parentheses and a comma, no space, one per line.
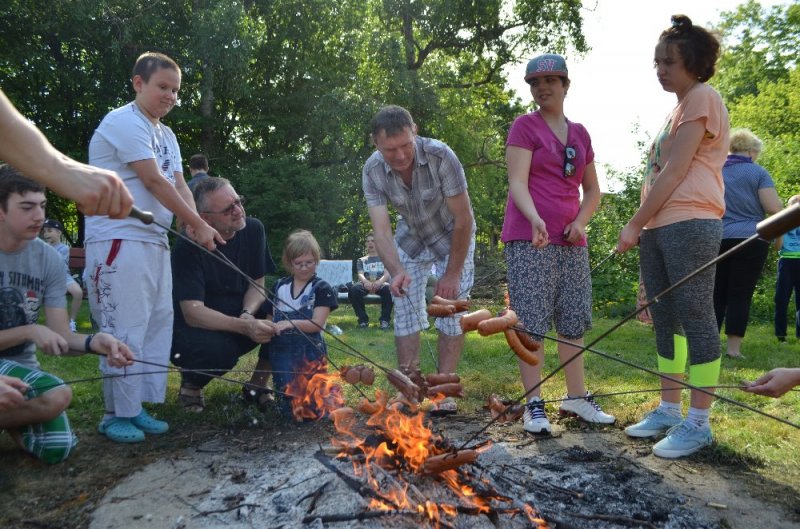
(313,487)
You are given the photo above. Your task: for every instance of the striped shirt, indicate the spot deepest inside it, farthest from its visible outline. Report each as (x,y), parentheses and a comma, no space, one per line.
(424,221)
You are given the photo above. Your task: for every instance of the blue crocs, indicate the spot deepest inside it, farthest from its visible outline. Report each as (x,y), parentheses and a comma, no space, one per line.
(682,440)
(121,430)
(146,423)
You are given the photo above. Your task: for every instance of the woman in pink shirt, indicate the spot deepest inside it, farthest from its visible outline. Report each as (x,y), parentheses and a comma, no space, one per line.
(678,227)
(550,159)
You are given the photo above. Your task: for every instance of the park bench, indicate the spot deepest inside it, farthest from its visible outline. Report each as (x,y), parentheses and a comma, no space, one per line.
(338,274)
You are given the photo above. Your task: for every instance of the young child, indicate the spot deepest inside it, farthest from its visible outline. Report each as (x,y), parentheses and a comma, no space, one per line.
(52,231)
(301,305)
(788,279)
(128,262)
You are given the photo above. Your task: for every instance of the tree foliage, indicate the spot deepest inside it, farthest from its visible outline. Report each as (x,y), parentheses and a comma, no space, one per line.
(278,93)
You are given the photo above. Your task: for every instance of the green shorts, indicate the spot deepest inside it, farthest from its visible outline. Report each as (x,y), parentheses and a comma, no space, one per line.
(50,441)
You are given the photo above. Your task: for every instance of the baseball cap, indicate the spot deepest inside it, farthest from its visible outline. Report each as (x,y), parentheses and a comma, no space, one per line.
(547,64)
(53,223)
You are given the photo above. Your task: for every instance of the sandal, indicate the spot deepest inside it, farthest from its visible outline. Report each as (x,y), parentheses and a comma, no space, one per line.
(261,397)
(192,399)
(121,430)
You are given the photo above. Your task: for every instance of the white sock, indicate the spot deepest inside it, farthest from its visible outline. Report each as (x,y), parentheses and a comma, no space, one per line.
(698,418)
(670,408)
(107,416)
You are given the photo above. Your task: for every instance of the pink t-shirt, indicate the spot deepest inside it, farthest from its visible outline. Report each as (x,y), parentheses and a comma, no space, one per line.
(556,197)
(701,194)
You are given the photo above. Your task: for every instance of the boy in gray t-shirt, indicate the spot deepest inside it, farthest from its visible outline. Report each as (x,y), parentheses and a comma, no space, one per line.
(32,276)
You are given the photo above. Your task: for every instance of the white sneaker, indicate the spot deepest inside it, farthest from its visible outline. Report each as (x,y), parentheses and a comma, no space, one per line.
(534,417)
(586,409)
(73,326)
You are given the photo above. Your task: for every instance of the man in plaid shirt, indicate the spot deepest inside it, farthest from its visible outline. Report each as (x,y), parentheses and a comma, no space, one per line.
(424,182)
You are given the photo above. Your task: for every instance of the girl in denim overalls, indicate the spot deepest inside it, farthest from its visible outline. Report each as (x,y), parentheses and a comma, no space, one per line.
(302,303)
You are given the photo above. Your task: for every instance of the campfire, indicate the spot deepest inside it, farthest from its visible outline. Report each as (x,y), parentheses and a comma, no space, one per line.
(394,455)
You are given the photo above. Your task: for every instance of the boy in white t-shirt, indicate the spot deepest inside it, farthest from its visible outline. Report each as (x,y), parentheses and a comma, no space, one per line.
(128,262)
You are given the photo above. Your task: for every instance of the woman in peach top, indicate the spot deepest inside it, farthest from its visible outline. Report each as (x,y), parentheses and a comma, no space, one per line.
(678,227)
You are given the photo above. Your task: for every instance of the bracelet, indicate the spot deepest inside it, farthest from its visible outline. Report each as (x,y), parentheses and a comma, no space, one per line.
(87,345)
(245,311)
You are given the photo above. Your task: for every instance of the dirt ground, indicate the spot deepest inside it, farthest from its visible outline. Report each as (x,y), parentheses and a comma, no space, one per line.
(107,485)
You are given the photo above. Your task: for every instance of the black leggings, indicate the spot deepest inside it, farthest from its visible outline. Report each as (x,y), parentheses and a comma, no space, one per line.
(735,282)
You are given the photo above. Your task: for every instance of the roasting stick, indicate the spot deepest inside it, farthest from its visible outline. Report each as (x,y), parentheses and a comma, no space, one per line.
(147,218)
(768,229)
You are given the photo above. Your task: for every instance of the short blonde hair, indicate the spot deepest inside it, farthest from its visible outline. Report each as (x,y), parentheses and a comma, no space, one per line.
(299,242)
(743,140)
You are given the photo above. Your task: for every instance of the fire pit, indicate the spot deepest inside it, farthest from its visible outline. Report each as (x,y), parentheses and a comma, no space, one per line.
(385,466)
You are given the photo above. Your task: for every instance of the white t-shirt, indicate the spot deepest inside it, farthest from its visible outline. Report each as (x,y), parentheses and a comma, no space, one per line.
(125,135)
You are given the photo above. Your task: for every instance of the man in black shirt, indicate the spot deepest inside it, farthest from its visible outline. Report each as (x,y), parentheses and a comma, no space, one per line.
(219,315)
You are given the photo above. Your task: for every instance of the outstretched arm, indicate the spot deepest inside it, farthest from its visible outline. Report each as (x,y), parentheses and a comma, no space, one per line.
(775,383)
(96,191)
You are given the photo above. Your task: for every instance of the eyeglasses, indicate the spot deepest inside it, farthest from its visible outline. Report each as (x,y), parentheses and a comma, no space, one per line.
(238,203)
(303,265)
(569,167)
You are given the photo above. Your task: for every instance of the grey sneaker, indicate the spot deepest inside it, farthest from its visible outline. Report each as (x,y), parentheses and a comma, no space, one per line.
(586,409)
(384,325)
(534,417)
(654,423)
(682,440)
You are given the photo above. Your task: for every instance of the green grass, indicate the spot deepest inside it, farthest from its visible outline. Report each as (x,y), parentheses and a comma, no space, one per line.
(487,366)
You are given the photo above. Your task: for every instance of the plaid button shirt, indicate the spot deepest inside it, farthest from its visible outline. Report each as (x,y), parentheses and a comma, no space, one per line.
(424,221)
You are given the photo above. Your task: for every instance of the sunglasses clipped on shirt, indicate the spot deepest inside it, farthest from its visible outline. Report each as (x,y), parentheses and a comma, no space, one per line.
(569,167)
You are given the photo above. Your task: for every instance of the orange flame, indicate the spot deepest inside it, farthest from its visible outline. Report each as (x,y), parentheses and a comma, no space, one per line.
(314,392)
(409,443)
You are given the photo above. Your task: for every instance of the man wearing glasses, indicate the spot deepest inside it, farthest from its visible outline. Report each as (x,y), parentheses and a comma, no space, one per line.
(219,315)
(424,182)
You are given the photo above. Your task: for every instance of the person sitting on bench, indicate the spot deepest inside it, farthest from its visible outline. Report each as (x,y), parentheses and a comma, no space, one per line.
(373,278)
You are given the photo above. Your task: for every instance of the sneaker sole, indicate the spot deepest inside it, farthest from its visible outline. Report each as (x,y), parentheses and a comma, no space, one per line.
(646,433)
(675,454)
(542,431)
(565,413)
